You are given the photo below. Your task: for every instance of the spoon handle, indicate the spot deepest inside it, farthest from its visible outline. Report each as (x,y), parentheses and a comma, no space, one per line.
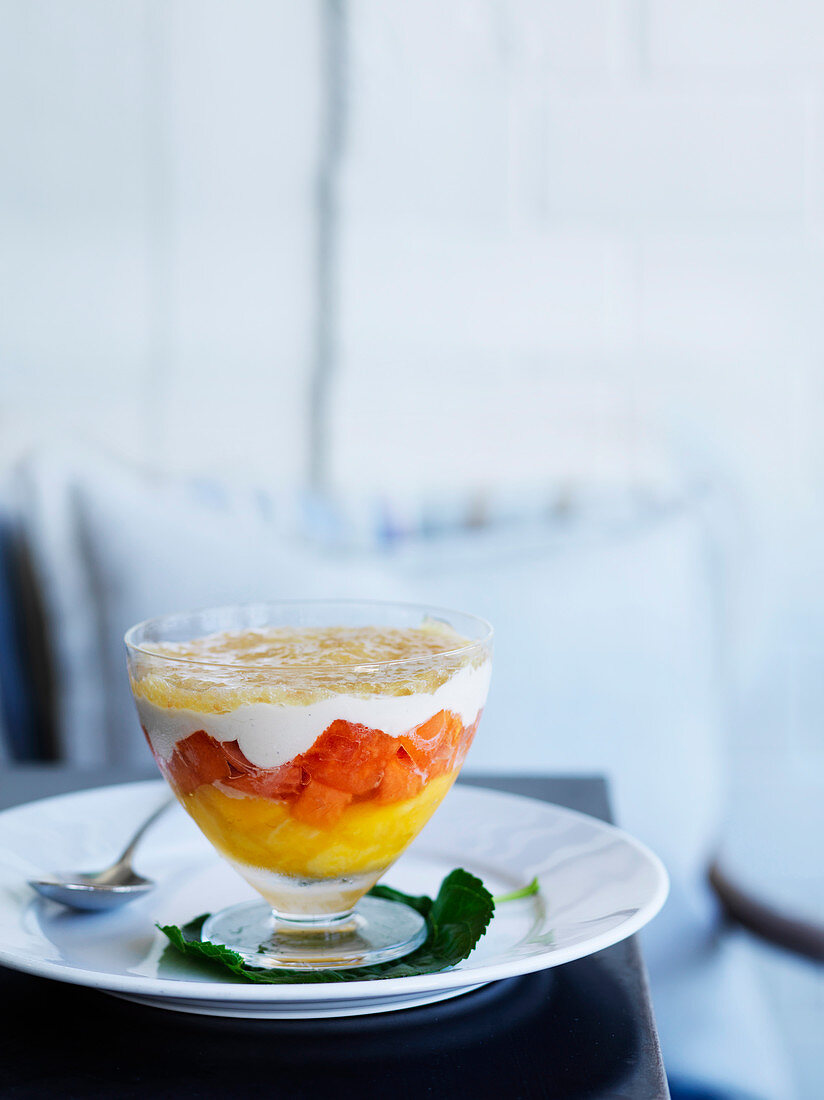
(126,855)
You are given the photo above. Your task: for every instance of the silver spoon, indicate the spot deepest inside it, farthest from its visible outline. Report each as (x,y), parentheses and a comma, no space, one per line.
(105,889)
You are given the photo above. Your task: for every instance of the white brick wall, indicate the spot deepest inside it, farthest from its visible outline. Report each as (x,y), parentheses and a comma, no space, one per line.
(781,36)
(555,191)
(243,92)
(497,294)
(730,333)
(626,193)
(157,268)
(73,206)
(657,151)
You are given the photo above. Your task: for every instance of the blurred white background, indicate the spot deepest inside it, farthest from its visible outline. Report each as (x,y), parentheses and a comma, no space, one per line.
(502,245)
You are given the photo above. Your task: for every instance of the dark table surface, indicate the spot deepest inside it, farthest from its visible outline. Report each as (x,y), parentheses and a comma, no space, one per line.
(585,1029)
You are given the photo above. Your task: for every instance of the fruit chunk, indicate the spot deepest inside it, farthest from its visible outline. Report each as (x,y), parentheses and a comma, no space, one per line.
(320,805)
(433,745)
(401,779)
(196,760)
(280,783)
(349,757)
(200,759)
(239,761)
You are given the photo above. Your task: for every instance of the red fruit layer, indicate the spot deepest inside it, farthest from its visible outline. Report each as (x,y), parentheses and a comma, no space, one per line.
(347,762)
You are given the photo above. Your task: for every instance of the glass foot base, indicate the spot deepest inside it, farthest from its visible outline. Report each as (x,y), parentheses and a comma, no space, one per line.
(375,931)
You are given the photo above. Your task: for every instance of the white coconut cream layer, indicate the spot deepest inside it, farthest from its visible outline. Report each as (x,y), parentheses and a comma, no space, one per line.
(270,734)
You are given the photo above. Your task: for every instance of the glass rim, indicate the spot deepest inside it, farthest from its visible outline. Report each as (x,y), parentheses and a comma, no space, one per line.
(245,666)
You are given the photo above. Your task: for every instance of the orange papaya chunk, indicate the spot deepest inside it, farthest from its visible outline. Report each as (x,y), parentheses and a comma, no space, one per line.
(450,750)
(280,783)
(401,779)
(424,743)
(349,757)
(319,805)
(197,760)
(237,759)
(433,731)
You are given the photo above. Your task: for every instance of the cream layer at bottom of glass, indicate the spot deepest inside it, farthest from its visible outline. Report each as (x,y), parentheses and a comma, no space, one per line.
(296,898)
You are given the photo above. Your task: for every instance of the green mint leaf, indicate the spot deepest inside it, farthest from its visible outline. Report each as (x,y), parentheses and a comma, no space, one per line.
(456,920)
(422,904)
(514,895)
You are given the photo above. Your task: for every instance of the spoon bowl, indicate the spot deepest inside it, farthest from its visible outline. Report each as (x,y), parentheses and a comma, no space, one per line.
(83,892)
(107,889)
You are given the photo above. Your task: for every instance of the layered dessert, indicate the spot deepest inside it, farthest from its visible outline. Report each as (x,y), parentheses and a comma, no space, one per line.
(311,757)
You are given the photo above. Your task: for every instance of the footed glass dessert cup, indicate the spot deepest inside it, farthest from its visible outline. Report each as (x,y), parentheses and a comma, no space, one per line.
(311,742)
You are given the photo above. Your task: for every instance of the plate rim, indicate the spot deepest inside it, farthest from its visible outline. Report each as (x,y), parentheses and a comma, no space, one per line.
(332,993)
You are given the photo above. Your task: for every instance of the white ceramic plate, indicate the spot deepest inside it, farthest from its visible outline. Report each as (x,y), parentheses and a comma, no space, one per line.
(598,886)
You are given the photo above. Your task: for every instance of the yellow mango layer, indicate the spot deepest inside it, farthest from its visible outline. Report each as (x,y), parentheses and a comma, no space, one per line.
(263,833)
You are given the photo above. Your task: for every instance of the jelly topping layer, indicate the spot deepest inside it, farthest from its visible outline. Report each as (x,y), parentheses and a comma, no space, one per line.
(299,665)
